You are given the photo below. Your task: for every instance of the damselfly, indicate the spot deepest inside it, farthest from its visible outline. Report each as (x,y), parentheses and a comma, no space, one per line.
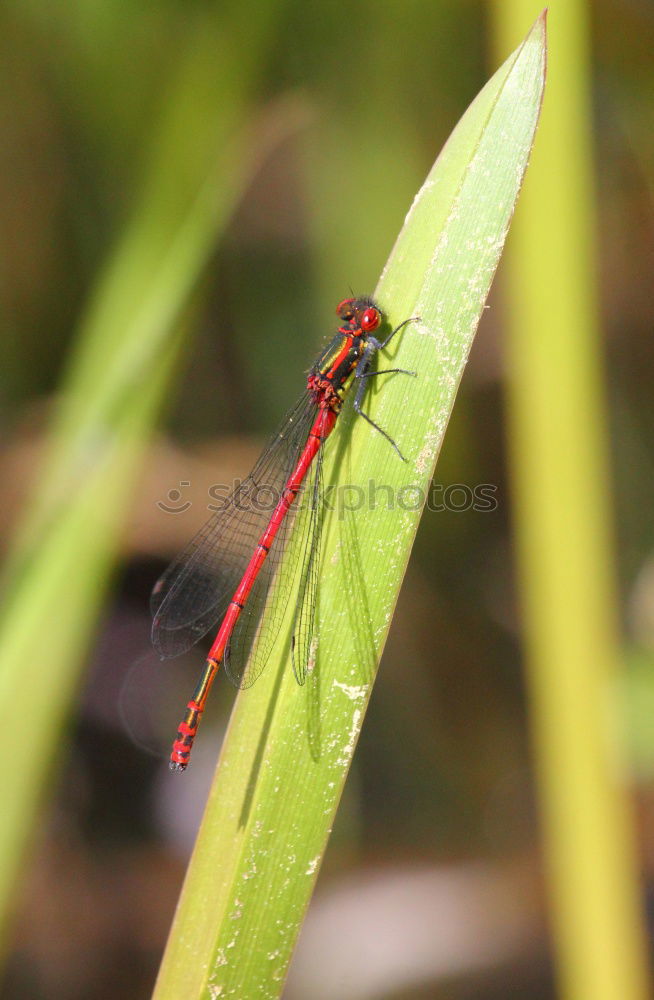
(243,565)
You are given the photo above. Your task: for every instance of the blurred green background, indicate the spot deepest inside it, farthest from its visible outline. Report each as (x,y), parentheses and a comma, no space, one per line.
(317,122)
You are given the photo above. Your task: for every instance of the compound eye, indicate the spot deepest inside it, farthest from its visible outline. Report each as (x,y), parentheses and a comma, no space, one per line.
(370,320)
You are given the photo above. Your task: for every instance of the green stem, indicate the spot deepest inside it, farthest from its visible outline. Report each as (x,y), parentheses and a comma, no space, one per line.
(558,443)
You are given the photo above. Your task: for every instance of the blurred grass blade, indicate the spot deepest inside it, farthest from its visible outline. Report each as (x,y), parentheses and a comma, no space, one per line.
(559,450)
(288,749)
(125,354)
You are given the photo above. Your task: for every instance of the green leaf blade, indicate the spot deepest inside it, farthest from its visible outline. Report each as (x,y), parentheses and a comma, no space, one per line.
(288,749)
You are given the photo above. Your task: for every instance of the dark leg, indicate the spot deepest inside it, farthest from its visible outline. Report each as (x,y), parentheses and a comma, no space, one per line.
(388,371)
(361,389)
(384,343)
(363,373)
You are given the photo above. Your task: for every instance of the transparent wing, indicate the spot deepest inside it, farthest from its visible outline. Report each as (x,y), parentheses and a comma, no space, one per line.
(303,643)
(195,590)
(255,632)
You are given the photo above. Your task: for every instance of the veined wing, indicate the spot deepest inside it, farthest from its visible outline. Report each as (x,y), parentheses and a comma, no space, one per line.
(294,560)
(304,637)
(195,590)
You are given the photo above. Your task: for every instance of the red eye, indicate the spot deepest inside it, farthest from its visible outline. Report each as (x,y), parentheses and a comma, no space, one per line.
(344,309)
(370,320)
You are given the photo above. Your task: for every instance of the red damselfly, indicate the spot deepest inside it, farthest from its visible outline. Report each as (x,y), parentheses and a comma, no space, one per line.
(241,567)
